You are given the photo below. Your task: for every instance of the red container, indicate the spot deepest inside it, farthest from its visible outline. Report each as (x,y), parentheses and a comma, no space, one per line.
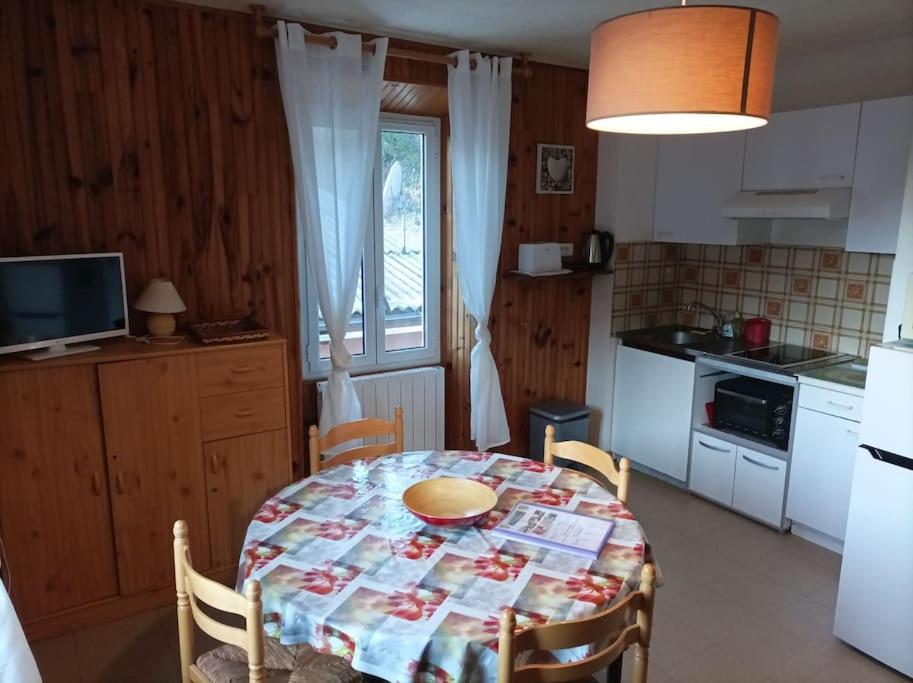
(757,331)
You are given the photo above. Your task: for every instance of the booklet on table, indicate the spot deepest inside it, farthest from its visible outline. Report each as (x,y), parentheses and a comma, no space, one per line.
(550,527)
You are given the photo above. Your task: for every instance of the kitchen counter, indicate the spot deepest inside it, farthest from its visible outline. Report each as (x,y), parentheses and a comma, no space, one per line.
(846,377)
(658,340)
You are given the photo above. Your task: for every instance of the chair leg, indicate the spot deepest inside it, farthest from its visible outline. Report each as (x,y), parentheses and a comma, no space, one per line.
(641,661)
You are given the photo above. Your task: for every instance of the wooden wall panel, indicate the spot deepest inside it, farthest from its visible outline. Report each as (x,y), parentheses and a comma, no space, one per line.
(539,328)
(156,130)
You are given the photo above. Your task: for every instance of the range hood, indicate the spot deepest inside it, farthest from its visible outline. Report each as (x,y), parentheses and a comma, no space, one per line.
(825,204)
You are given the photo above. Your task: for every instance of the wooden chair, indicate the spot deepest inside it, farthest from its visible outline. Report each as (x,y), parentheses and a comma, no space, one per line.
(248,655)
(359,429)
(628,623)
(618,475)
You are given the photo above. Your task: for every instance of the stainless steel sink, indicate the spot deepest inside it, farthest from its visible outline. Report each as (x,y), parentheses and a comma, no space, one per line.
(680,337)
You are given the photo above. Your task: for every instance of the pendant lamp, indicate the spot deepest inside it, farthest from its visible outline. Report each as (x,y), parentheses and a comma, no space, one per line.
(680,70)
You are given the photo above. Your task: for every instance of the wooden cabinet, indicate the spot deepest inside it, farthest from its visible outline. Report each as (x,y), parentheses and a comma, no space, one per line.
(154,442)
(759,486)
(802,149)
(651,421)
(54,507)
(712,471)
(695,174)
(100,453)
(241,473)
(882,157)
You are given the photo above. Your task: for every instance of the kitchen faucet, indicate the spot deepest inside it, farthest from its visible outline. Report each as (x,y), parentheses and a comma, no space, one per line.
(717,318)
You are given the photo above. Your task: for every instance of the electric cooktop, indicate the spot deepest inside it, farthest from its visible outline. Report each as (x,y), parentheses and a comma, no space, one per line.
(785,355)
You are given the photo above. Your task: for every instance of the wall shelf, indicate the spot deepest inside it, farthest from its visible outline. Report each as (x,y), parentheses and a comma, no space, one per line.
(576,273)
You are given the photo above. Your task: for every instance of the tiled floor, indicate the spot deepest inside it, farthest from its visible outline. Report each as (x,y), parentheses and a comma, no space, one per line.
(741,603)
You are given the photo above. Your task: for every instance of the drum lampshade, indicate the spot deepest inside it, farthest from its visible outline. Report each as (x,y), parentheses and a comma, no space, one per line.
(678,70)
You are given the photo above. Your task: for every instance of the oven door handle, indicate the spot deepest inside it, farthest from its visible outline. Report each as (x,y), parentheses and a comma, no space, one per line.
(761,464)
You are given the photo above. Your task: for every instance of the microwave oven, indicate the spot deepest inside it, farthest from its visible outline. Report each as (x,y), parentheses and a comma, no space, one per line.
(761,410)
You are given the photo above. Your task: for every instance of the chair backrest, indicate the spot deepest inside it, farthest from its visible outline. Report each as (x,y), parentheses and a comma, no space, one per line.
(359,429)
(627,623)
(193,587)
(618,475)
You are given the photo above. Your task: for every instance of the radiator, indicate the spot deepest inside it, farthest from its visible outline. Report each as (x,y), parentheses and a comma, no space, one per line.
(420,391)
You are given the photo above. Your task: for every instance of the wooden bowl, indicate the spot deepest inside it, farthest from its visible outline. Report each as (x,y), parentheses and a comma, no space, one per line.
(449,501)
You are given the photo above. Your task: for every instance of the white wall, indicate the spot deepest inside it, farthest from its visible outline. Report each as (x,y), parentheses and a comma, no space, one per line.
(903,261)
(624,207)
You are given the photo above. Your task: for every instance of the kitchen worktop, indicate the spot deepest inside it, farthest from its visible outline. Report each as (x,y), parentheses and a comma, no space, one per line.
(846,377)
(658,340)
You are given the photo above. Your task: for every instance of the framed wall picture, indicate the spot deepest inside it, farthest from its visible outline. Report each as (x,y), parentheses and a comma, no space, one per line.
(555,169)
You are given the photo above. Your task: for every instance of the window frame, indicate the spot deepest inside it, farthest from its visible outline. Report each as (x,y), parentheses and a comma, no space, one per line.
(376,358)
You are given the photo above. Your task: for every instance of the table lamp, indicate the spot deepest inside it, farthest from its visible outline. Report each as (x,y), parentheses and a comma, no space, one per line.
(161,301)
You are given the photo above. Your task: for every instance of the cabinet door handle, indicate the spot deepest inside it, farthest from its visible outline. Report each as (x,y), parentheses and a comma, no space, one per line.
(244,412)
(713,448)
(119,483)
(214,463)
(840,405)
(850,431)
(761,464)
(241,369)
(96,484)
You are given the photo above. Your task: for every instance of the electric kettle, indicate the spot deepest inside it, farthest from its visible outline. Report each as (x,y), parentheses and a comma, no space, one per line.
(597,249)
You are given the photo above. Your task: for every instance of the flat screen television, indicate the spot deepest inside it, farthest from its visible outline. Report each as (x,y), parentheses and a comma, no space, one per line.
(47,302)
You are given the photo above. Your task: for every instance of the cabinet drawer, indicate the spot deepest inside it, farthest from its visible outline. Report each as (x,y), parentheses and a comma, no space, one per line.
(834,403)
(712,468)
(240,369)
(760,485)
(249,412)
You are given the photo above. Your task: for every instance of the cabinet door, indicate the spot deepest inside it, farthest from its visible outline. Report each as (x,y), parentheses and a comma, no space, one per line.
(695,174)
(651,421)
(712,468)
(760,484)
(54,506)
(155,462)
(803,149)
(882,156)
(824,451)
(241,473)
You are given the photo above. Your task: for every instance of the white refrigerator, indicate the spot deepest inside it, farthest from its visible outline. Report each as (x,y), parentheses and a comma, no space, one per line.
(875,597)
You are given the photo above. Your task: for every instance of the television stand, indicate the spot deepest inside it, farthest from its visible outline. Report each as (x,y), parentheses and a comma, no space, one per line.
(60,350)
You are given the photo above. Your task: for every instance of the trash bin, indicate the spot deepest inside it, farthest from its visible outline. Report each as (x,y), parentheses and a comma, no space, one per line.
(571,422)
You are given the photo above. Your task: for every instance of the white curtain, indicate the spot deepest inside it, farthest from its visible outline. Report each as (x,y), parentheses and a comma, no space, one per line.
(331,98)
(479,132)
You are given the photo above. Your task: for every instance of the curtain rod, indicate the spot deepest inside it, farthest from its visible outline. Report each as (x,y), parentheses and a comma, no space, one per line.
(266,30)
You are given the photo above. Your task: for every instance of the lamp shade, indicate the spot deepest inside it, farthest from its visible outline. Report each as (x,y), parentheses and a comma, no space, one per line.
(691,69)
(160,296)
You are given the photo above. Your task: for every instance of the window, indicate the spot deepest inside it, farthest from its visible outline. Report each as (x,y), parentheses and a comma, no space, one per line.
(395,321)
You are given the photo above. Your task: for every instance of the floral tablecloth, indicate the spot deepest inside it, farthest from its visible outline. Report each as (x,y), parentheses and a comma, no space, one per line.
(346,567)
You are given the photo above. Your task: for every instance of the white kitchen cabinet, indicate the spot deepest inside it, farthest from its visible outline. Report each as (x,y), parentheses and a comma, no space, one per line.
(809,148)
(824,450)
(712,468)
(760,485)
(651,421)
(882,156)
(695,174)
(626,185)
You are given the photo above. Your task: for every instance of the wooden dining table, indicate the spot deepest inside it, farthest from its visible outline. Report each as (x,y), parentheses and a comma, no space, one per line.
(346,567)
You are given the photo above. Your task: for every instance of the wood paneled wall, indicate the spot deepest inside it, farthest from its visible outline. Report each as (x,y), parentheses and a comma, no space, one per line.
(539,329)
(157,130)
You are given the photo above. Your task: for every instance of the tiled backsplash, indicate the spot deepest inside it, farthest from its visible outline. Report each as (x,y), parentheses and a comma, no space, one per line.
(823,298)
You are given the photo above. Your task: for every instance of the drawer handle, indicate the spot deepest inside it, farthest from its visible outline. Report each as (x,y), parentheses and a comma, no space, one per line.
(242,369)
(119,483)
(840,405)
(96,484)
(244,412)
(761,464)
(850,431)
(714,448)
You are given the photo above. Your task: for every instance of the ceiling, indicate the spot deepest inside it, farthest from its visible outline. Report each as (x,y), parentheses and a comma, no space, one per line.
(831,51)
